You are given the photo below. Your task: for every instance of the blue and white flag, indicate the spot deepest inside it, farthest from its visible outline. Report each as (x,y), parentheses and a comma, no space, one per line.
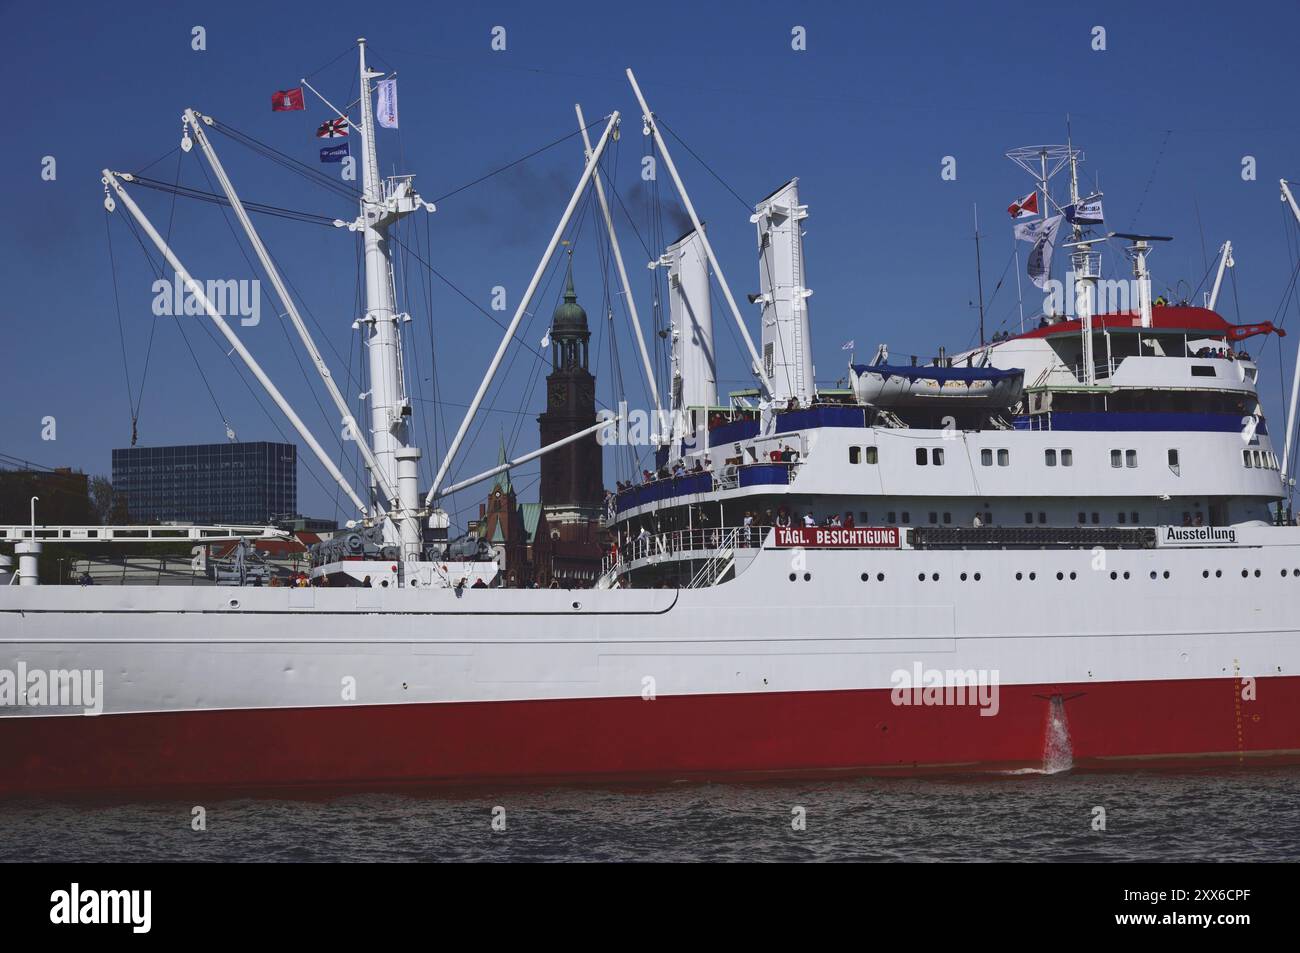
(334,153)
(1087,212)
(386,111)
(846,346)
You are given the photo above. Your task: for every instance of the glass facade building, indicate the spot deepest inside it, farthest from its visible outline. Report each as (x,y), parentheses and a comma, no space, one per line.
(253,483)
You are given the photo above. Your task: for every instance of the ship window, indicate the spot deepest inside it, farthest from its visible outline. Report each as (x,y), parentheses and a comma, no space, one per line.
(1083,517)
(1049,457)
(934,518)
(1173,458)
(907,517)
(936,456)
(892,517)
(986,458)
(1067,458)
(1004,457)
(855,454)
(988,518)
(872,454)
(921,458)
(862,517)
(1130,458)
(1042,517)
(1245,459)
(1123,518)
(1203,370)
(1096,518)
(1029,518)
(947,518)
(1134,519)
(1116,459)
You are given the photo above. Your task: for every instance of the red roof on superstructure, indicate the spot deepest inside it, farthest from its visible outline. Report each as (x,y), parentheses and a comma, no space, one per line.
(1167,318)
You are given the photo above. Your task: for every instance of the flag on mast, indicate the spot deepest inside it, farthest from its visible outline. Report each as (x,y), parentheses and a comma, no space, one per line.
(332,129)
(1086,212)
(334,153)
(386,111)
(1025,207)
(1043,236)
(287,100)
(846,346)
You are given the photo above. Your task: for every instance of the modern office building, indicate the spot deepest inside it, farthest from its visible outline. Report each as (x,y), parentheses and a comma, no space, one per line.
(208,483)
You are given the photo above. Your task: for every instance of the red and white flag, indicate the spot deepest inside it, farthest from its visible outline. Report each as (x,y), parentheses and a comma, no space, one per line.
(332,129)
(1025,207)
(287,100)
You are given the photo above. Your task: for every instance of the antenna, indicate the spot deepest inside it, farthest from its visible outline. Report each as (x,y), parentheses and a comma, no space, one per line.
(979,271)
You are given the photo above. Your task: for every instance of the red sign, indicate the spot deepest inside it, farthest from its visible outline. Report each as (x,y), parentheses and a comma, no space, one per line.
(838,537)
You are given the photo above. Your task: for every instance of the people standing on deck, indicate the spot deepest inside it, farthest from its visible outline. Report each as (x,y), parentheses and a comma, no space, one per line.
(808,520)
(766,419)
(848,520)
(748,523)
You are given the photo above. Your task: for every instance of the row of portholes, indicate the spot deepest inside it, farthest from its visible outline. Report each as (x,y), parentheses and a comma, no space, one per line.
(934,577)
(807,577)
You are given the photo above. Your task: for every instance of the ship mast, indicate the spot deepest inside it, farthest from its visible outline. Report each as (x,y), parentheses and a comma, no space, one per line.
(396,458)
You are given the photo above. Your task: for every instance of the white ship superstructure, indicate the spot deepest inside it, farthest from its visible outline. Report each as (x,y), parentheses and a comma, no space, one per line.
(1079,531)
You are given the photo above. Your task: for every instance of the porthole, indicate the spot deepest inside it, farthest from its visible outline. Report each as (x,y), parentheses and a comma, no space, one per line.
(1245,573)
(920,577)
(1033,576)
(1218,574)
(935,577)
(880,577)
(1153,574)
(1125,573)
(793,577)
(234,603)
(963,576)
(1073,576)
(1256,573)
(1060,576)
(977,577)
(1205,574)
(866,576)
(1283,573)
(1114,574)
(1019,576)
(807,577)
(1166,573)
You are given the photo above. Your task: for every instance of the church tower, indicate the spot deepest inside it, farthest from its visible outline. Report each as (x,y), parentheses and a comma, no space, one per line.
(573,487)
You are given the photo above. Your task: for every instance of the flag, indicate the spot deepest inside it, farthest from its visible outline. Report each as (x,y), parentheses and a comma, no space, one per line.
(1040,257)
(332,129)
(846,346)
(287,100)
(1025,207)
(386,112)
(1086,212)
(334,153)
(546,338)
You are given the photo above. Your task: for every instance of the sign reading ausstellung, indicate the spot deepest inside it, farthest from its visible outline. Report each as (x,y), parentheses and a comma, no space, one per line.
(845,537)
(1197,536)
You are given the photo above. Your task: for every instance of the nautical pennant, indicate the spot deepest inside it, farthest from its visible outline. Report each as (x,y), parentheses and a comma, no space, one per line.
(332,129)
(287,100)
(1025,207)
(334,153)
(386,110)
(1086,212)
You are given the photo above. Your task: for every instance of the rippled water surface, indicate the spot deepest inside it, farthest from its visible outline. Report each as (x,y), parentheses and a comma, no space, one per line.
(1202,816)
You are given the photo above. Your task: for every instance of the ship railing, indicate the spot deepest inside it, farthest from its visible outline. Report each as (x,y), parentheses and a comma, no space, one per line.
(692,541)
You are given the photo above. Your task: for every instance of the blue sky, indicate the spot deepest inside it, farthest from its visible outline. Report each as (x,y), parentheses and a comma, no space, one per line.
(864,117)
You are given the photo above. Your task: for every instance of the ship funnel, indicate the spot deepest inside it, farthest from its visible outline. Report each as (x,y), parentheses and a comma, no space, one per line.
(787,347)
